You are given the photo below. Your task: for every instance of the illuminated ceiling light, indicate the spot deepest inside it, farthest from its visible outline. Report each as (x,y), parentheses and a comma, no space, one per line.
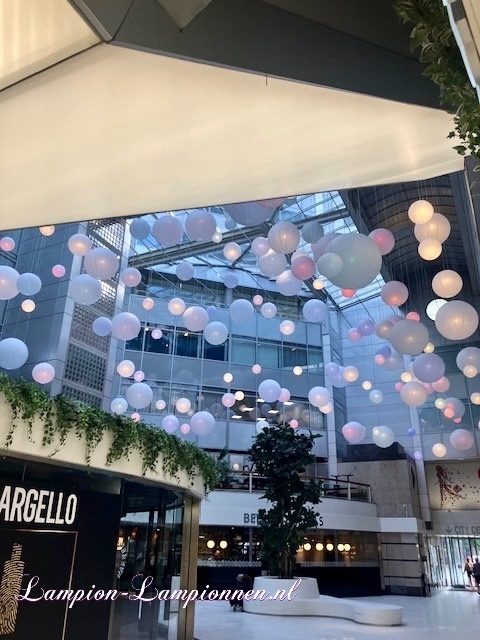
(236,417)
(307,546)
(260,400)
(210,544)
(319,546)
(329,546)
(347,547)
(287,403)
(340,546)
(223,544)
(274,411)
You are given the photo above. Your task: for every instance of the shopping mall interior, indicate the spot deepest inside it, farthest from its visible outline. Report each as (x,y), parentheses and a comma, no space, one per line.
(219,218)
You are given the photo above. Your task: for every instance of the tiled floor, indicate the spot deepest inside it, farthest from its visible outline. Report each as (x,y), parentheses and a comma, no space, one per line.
(447,615)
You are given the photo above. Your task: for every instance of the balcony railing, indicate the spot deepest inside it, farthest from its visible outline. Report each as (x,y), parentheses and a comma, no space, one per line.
(332,487)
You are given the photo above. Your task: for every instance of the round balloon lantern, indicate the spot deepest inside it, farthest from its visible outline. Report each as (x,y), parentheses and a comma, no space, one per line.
(184,271)
(442,385)
(315,310)
(118,406)
(43,373)
(230,280)
(439,450)
(200,226)
(269,390)
(85,290)
(350,373)
(383,328)
(232,251)
(29,284)
(126,368)
(272,264)
(354,334)
(256,369)
(241,311)
(139,395)
(195,318)
(428,367)
(456,320)
(139,229)
(101,263)
(331,369)
(447,283)
(215,333)
(437,228)
(303,268)
(383,436)
(353,432)
(79,244)
(420,211)
(361,260)
(202,423)
(249,213)
(260,246)
(287,284)
(8,282)
(329,265)
(268,310)
(429,249)
(461,439)
(384,240)
(170,423)
(375,396)
(312,231)
(393,362)
(283,237)
(176,306)
(318,396)
(321,247)
(394,293)
(125,326)
(58,270)
(468,356)
(148,304)
(7,244)
(183,405)
(131,277)
(413,394)
(284,395)
(409,337)
(366,327)
(287,327)
(228,400)
(167,231)
(102,326)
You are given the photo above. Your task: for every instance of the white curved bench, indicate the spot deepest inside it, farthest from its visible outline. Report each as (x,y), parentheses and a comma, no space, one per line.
(307,601)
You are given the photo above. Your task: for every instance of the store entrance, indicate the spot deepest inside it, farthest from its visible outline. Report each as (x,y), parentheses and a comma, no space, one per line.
(447,556)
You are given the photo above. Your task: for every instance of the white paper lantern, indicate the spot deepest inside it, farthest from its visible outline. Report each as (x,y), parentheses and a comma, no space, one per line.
(125,326)
(329,265)
(28,305)
(160,404)
(241,311)
(43,373)
(215,333)
(58,270)
(135,417)
(429,249)
(126,368)
(439,450)
(47,230)
(303,268)
(353,432)
(85,290)
(101,263)
(462,440)
(185,428)
(420,211)
(272,264)
(227,377)
(217,237)
(428,367)
(361,260)
(384,240)
(287,327)
(394,293)
(350,373)
(409,337)
(260,246)
(375,396)
(118,406)
(257,300)
(456,320)
(367,385)
(433,307)
(468,356)
(437,228)
(170,423)
(8,282)
(13,353)
(284,395)
(79,244)
(268,310)
(269,390)
(202,423)
(475,398)
(228,400)
(413,394)
(315,310)
(297,370)
(131,277)
(139,376)
(157,334)
(256,369)
(184,271)
(447,283)
(102,326)
(283,237)
(167,231)
(287,284)
(318,284)
(139,395)
(148,304)
(7,243)
(176,306)
(140,229)
(230,280)
(261,425)
(383,329)
(200,225)
(442,385)
(195,318)
(232,251)
(383,436)
(318,396)
(183,405)
(312,231)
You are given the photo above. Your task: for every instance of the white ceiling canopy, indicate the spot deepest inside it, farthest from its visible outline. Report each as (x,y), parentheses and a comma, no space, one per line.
(114,131)
(36,35)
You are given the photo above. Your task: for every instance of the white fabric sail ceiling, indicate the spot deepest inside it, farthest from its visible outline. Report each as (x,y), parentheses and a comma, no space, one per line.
(114,131)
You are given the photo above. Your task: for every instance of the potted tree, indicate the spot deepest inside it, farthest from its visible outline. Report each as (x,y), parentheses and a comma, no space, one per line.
(281,455)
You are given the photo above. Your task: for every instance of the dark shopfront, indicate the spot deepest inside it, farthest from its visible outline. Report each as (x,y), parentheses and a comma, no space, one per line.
(70,530)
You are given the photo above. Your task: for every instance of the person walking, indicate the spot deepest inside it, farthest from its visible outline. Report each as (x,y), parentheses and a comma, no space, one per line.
(476,574)
(468,569)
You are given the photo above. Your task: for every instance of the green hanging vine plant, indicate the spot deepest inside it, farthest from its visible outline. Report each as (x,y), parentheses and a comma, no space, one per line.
(433,37)
(61,417)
